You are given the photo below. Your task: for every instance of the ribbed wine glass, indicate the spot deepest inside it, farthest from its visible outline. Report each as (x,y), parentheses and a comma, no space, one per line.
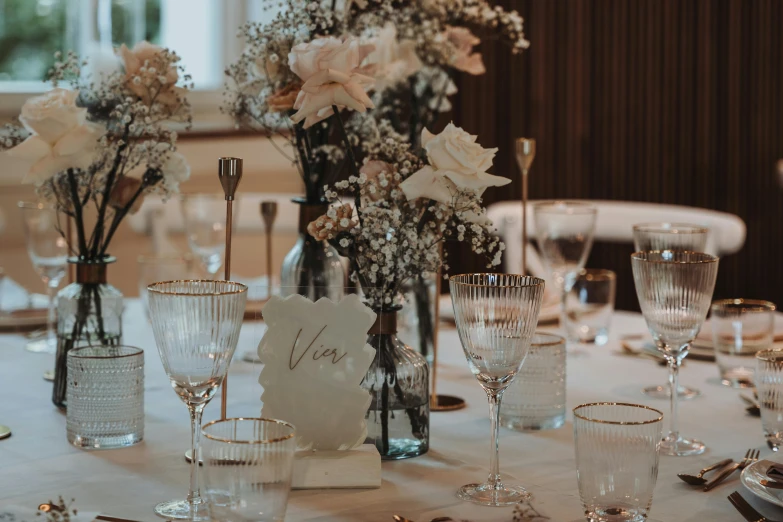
(496,316)
(676,237)
(196,326)
(675,292)
(564,232)
(205,228)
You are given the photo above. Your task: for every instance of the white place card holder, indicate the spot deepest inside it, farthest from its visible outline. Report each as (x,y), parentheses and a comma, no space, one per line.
(315,356)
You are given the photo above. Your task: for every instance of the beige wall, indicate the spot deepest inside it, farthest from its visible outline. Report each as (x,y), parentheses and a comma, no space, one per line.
(265,171)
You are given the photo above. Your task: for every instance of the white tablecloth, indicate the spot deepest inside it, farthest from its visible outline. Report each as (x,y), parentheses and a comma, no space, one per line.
(37,463)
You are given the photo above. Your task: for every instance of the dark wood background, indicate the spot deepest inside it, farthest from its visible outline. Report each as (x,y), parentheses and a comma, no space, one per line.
(669,101)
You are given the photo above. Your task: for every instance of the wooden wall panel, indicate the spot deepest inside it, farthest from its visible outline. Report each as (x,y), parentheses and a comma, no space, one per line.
(669,101)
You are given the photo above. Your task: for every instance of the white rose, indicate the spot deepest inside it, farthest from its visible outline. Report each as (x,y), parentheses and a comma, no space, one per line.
(331,71)
(61,137)
(457,162)
(394,61)
(175,170)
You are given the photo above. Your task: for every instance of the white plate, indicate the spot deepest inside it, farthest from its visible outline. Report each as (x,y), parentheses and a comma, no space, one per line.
(751,477)
(550,311)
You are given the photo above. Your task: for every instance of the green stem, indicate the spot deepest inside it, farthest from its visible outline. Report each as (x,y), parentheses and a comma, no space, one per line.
(77,212)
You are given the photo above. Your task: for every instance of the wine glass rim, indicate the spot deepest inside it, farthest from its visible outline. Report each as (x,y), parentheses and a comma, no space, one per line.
(747,305)
(670,227)
(598,274)
(35,205)
(534,281)
(706,258)
(618,423)
(153,287)
(773,355)
(570,206)
(254,441)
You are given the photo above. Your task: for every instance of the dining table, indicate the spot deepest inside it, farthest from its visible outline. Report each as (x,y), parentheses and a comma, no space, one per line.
(37,463)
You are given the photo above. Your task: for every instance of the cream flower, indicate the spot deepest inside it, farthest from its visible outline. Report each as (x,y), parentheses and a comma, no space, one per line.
(464,58)
(284,99)
(331,71)
(61,137)
(175,170)
(326,227)
(457,163)
(394,61)
(143,78)
(374,170)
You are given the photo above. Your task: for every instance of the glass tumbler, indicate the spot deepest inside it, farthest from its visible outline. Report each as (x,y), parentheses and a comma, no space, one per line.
(616,459)
(769,385)
(105,397)
(536,398)
(589,306)
(740,328)
(248,464)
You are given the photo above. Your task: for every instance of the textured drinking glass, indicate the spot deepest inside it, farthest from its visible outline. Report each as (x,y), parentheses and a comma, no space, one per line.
(536,398)
(769,384)
(740,328)
(496,315)
(674,291)
(589,306)
(669,236)
(564,231)
(163,267)
(616,459)
(48,252)
(205,228)
(196,326)
(105,397)
(248,465)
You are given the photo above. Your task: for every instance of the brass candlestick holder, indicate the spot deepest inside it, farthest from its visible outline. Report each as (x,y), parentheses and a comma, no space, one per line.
(269,214)
(229,173)
(440,402)
(526,152)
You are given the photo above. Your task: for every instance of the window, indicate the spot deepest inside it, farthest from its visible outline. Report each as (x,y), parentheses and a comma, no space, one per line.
(202,32)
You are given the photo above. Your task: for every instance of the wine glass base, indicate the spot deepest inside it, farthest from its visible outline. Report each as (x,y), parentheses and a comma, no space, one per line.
(183,510)
(42,346)
(681,447)
(662,392)
(487,495)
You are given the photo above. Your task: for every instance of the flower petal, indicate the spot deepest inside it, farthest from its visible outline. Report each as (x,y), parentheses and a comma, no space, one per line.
(32,149)
(80,139)
(427,183)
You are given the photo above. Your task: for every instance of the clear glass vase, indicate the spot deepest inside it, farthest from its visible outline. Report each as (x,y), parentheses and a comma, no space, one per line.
(312,268)
(398,421)
(89,313)
(416,320)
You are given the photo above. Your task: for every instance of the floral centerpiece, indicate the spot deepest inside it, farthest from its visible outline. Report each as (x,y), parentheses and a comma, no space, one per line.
(95,150)
(402,208)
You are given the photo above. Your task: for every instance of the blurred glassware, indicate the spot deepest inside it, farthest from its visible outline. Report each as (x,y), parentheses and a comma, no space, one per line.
(675,291)
(564,232)
(156,268)
(248,464)
(205,228)
(196,326)
(676,237)
(105,397)
(669,236)
(740,328)
(48,252)
(616,459)
(496,316)
(589,306)
(536,398)
(769,384)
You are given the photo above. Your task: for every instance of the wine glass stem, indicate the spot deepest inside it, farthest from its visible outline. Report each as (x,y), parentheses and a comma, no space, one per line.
(51,292)
(674,384)
(494,415)
(194,495)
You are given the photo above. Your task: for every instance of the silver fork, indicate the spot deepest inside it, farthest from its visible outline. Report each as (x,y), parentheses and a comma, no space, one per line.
(746,510)
(750,457)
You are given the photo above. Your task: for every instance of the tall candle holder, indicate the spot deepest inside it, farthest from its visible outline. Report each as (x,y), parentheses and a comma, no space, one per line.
(526,152)
(268,214)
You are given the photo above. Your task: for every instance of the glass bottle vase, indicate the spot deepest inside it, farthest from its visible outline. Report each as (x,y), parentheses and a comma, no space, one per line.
(398,420)
(89,313)
(416,321)
(312,268)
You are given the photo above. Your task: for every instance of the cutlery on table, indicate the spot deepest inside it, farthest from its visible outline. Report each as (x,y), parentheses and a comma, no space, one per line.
(746,510)
(750,457)
(697,480)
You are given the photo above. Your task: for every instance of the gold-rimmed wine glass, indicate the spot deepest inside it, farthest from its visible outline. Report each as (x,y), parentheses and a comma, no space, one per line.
(196,326)
(496,316)
(675,293)
(676,237)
